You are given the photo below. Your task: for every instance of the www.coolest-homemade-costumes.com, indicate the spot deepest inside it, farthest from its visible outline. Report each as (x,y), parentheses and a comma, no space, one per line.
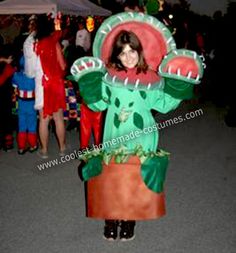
(126,177)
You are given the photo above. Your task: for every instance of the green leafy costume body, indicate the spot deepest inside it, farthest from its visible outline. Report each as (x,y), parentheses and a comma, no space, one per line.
(129,121)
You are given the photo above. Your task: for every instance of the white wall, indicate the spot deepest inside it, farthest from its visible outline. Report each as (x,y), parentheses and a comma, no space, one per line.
(207,7)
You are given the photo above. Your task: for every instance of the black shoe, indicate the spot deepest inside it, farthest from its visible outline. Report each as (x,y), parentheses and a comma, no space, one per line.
(22,151)
(110,230)
(127,230)
(33,149)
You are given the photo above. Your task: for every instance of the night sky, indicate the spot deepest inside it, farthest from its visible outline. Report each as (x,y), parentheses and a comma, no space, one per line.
(207,7)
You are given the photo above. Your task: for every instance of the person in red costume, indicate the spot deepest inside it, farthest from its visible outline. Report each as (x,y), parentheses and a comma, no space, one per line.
(6,72)
(89,121)
(50,91)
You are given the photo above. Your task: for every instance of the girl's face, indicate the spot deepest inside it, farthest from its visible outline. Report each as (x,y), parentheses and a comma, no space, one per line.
(128,57)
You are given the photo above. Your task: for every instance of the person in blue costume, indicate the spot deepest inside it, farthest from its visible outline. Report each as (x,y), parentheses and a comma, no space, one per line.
(27,115)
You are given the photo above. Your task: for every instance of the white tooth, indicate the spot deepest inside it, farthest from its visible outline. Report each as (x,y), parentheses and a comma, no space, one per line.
(178,72)
(159,69)
(84,64)
(120,18)
(113,79)
(189,74)
(106,76)
(109,27)
(169,40)
(137,83)
(151,20)
(73,71)
(194,55)
(104,32)
(149,86)
(164,29)
(141,14)
(198,77)
(131,14)
(100,64)
(76,68)
(202,57)
(169,69)
(126,81)
(175,52)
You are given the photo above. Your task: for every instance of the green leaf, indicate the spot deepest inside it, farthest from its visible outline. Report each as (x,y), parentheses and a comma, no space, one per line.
(143,94)
(118,159)
(131,104)
(108,92)
(117,102)
(107,158)
(138,120)
(116,120)
(125,158)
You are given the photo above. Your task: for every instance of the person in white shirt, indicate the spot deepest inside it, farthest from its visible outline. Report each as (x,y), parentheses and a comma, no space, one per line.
(28,48)
(32,61)
(83,38)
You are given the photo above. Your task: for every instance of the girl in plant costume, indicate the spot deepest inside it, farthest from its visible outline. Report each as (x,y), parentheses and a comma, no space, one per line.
(126,176)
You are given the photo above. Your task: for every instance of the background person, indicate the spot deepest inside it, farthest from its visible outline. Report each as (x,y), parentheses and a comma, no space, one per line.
(83,39)
(27,115)
(29,48)
(50,91)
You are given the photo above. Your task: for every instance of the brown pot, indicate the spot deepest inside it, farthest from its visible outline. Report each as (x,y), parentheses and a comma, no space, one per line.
(120,193)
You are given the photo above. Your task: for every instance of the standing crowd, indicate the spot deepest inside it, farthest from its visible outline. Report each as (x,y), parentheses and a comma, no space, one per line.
(37,72)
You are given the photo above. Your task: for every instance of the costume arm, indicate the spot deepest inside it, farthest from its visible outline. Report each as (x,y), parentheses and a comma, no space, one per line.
(39,97)
(161,101)
(99,106)
(88,72)
(60,57)
(102,104)
(30,56)
(56,35)
(28,47)
(181,69)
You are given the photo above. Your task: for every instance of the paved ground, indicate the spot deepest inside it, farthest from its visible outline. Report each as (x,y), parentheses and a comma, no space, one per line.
(43,211)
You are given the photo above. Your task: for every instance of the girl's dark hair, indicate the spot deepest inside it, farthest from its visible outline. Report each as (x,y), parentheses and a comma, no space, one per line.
(45,26)
(122,39)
